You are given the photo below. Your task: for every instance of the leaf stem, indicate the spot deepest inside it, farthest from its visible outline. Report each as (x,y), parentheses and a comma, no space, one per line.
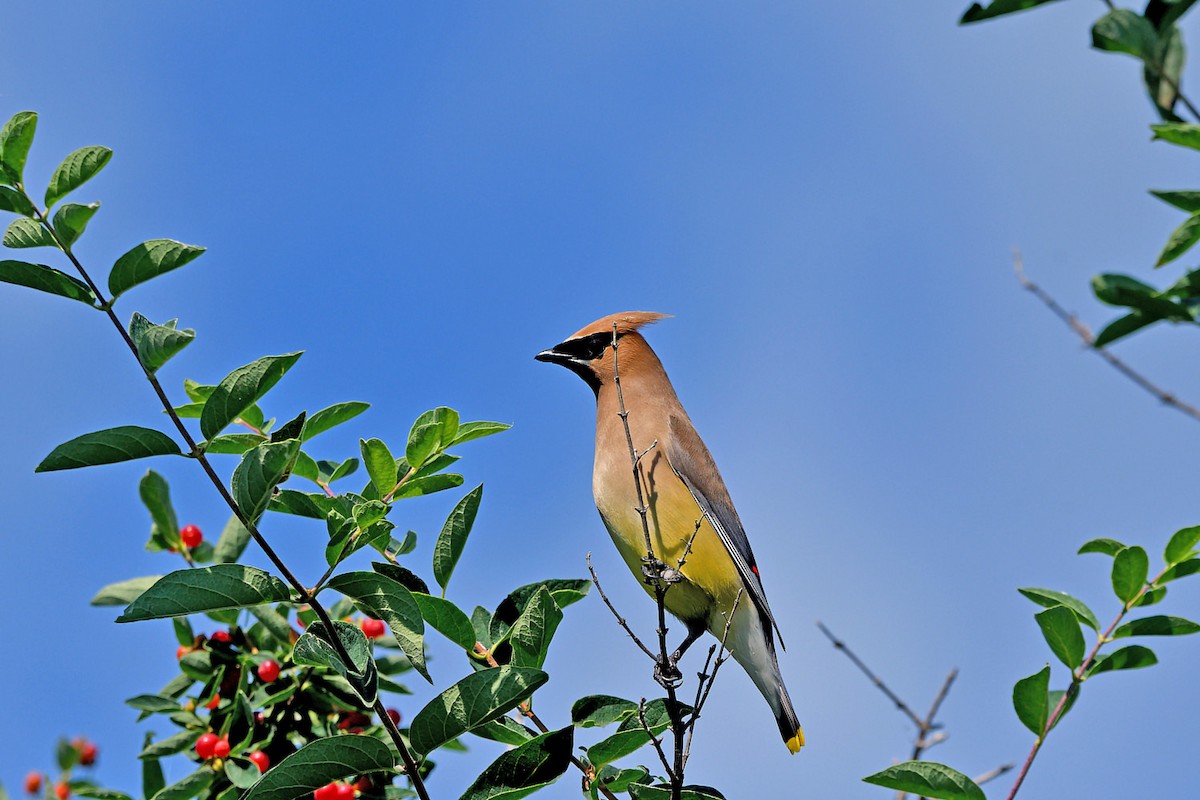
(304,596)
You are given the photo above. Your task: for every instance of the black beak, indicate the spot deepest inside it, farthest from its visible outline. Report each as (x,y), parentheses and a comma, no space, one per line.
(552,356)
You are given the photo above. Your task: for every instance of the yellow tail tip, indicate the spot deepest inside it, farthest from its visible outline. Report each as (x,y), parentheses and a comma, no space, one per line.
(796,742)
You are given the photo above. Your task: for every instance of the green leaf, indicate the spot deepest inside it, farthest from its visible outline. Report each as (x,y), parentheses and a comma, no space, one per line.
(520,772)
(183,631)
(149,260)
(1049,598)
(1029,700)
(996,8)
(201,589)
(1060,627)
(23,232)
(598,710)
(1180,570)
(927,779)
(631,735)
(1130,569)
(1125,31)
(97,793)
(416,487)
(321,762)
(1122,290)
(66,755)
(447,421)
(275,623)
(422,443)
(474,700)
(16,202)
(1182,545)
(109,447)
(1162,70)
(71,220)
(260,470)
(332,416)
(15,139)
(383,598)
(1180,241)
(1109,547)
(156,344)
(188,787)
(619,780)
(46,279)
(123,593)
(1160,625)
(75,170)
(241,772)
(153,703)
(171,745)
(232,543)
(477,430)
(447,619)
(1132,657)
(1179,133)
(1151,596)
(238,443)
(1184,201)
(453,538)
(642,791)
(156,495)
(1122,327)
(380,464)
(240,389)
(313,648)
(530,635)
(152,774)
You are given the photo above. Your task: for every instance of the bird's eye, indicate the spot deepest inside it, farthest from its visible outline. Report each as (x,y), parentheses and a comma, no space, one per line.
(586,348)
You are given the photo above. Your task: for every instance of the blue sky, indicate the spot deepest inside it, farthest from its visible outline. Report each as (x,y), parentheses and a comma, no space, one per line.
(824,195)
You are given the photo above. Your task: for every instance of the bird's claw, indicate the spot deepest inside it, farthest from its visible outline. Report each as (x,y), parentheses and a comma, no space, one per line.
(667,675)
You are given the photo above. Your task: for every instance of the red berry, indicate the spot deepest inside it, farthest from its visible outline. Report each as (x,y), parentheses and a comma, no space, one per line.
(87,754)
(260,760)
(373,628)
(221,636)
(62,791)
(211,704)
(395,715)
(344,791)
(268,671)
(221,748)
(363,784)
(327,792)
(191,535)
(205,745)
(33,782)
(182,651)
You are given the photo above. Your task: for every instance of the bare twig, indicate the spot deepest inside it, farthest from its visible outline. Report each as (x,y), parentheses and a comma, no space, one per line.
(620,620)
(927,724)
(1085,334)
(900,704)
(992,774)
(706,679)
(304,595)
(662,756)
(687,549)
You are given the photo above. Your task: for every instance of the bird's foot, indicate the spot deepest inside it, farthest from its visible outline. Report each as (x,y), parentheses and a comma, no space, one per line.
(655,571)
(668,675)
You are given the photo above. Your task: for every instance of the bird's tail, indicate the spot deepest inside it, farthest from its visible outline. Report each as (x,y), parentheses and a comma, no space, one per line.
(751,646)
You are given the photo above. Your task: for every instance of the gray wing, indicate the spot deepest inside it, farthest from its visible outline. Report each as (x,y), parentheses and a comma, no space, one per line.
(691,461)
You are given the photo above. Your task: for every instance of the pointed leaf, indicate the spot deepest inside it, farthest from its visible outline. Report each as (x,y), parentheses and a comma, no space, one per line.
(1132,657)
(662,791)
(152,774)
(996,8)
(1184,201)
(23,232)
(598,710)
(75,170)
(1030,696)
(332,416)
(631,734)
(380,464)
(1060,627)
(1180,241)
(201,589)
(16,202)
(149,260)
(313,648)
(416,487)
(156,344)
(188,787)
(1130,569)
(383,598)
(15,139)
(517,773)
(319,763)
(468,431)
(240,389)
(71,220)
(1109,547)
(260,470)
(1122,327)
(1124,31)
(109,447)
(1180,570)
(422,443)
(156,495)
(477,698)
(1180,133)
(232,543)
(1049,598)
(530,635)
(447,619)
(125,592)
(1182,545)
(1160,625)
(927,779)
(453,538)
(46,279)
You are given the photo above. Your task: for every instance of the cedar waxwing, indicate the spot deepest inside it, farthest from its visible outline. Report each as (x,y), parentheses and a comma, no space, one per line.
(683,493)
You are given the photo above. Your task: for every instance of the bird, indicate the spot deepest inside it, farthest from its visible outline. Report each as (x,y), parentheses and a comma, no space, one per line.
(714,586)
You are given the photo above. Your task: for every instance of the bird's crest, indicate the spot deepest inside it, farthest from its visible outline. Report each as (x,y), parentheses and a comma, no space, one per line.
(626,322)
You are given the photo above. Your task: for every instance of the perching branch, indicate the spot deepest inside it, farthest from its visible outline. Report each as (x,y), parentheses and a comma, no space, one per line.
(1085,334)
(303,594)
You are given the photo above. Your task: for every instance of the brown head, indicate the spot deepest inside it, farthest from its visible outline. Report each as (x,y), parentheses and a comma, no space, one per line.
(588,351)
